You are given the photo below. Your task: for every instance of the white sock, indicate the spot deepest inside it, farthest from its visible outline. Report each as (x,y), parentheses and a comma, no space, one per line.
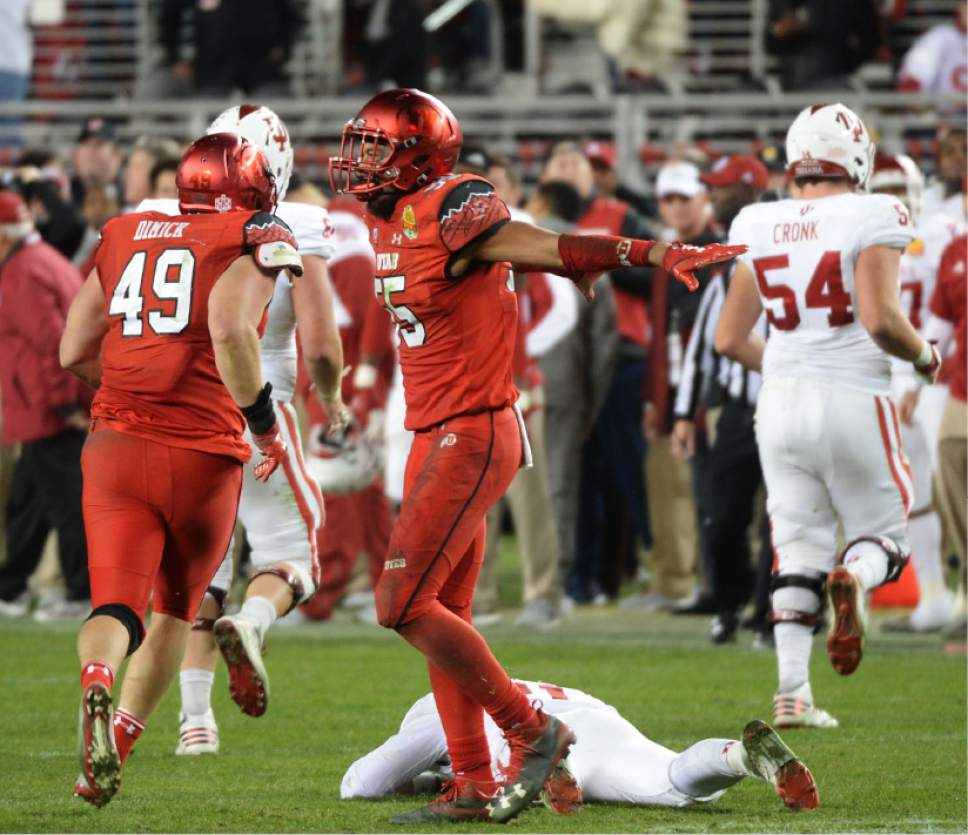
(196,691)
(868,563)
(735,755)
(924,532)
(260,612)
(703,769)
(793,644)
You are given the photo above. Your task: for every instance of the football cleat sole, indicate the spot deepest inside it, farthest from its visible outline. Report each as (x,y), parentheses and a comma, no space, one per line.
(773,761)
(845,642)
(242,651)
(100,763)
(561,792)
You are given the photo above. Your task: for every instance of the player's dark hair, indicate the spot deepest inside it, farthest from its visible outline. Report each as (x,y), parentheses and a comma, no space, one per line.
(562,199)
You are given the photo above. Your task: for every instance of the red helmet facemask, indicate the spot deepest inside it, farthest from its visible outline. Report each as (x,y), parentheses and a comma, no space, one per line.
(223,172)
(401,138)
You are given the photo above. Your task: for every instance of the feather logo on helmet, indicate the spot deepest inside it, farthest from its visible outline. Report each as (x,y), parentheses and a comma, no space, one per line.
(223,203)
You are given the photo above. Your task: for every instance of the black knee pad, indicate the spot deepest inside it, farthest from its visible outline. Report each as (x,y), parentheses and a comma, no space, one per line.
(812,584)
(201,624)
(129,620)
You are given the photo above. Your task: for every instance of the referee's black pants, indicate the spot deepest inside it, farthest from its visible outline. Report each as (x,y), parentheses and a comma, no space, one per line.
(732,476)
(45,495)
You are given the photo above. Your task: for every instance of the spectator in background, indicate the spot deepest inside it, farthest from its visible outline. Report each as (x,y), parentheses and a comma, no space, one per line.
(773,158)
(548,311)
(673,489)
(612,516)
(44,409)
(819,43)
(601,155)
(100,205)
(577,371)
(43,183)
(137,172)
(238,45)
(730,475)
(96,157)
(16,57)
(397,44)
(162,179)
(937,61)
(945,195)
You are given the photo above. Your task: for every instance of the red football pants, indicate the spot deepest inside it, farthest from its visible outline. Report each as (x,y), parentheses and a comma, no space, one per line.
(355,522)
(455,472)
(158,520)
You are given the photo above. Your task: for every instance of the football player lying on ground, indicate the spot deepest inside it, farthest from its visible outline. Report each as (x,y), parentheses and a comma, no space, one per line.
(612,761)
(444,244)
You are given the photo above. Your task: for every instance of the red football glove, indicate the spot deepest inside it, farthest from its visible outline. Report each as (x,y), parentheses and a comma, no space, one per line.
(927,368)
(274,451)
(682,261)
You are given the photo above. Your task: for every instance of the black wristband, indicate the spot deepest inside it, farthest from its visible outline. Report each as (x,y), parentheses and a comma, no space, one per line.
(260,416)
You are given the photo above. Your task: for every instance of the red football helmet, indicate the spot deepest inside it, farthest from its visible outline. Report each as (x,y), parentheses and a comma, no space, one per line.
(223,172)
(401,138)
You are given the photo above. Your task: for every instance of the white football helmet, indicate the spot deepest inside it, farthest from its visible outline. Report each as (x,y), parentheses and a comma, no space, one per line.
(829,140)
(900,175)
(341,466)
(265,129)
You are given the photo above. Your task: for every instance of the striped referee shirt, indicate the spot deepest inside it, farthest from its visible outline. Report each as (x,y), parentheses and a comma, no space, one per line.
(708,377)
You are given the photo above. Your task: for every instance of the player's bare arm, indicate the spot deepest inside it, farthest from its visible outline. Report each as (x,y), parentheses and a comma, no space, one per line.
(312,301)
(880,313)
(87,322)
(741,310)
(234,310)
(585,258)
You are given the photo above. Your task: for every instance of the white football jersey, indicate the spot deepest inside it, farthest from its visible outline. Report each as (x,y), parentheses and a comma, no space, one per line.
(802,253)
(938,60)
(313,231)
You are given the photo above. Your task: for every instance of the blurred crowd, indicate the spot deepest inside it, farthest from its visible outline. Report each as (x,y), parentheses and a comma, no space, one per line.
(646,487)
(216,47)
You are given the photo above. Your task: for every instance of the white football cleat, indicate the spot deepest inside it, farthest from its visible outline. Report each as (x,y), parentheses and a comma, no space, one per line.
(796,710)
(239,643)
(197,735)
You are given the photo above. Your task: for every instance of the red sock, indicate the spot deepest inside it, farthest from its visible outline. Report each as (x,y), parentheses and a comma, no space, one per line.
(127,729)
(96,671)
(459,651)
(463,721)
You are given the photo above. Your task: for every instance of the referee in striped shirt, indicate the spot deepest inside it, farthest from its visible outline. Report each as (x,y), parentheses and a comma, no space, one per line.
(731,474)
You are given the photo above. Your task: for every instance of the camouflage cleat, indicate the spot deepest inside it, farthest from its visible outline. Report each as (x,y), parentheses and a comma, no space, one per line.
(845,642)
(561,792)
(100,763)
(239,644)
(461,800)
(771,760)
(534,754)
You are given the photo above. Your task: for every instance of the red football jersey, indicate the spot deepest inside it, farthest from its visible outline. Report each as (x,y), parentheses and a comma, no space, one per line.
(158,374)
(949,302)
(456,334)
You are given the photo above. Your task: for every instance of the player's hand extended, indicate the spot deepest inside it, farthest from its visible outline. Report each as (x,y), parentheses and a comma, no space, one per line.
(274,451)
(338,414)
(927,372)
(682,261)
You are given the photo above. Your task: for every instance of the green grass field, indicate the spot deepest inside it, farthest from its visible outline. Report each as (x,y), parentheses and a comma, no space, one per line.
(896,764)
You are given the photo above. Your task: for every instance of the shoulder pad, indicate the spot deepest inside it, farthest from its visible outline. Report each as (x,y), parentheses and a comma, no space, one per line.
(470,209)
(271,243)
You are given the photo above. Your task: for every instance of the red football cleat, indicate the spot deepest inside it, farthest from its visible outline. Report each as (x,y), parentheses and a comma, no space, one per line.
(845,642)
(561,791)
(100,763)
(771,760)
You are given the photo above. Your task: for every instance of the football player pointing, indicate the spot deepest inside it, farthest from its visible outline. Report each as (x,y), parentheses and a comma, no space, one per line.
(168,315)
(443,245)
(825,267)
